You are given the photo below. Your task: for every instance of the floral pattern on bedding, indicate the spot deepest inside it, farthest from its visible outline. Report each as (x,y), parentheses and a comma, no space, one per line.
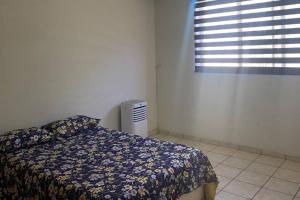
(23,138)
(103,164)
(71,126)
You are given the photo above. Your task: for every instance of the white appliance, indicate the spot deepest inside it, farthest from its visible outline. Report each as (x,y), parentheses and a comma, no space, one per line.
(134,117)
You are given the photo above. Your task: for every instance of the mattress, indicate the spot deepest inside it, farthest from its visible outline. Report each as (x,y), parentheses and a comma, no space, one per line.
(104,164)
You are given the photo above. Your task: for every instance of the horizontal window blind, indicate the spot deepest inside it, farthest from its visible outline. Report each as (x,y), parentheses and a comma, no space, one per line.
(247,36)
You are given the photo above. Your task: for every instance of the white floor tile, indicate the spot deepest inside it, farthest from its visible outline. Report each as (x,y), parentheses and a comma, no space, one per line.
(245,155)
(288,175)
(229,172)
(268,160)
(224,150)
(236,162)
(262,168)
(186,142)
(253,178)
(266,194)
(207,147)
(291,165)
(242,189)
(159,136)
(215,157)
(282,186)
(223,181)
(227,196)
(164,137)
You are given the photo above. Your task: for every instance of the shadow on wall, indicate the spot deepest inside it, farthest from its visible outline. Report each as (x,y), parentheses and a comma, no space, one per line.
(113,115)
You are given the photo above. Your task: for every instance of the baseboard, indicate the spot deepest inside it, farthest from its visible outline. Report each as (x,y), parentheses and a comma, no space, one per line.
(153,132)
(225,144)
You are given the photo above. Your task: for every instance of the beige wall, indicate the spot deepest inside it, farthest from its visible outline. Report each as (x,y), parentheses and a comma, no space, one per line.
(262,111)
(64,57)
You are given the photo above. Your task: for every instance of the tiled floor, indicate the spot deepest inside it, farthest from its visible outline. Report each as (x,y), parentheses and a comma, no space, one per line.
(245,175)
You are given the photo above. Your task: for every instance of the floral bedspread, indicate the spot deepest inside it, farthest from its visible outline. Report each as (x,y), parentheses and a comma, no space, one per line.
(103,164)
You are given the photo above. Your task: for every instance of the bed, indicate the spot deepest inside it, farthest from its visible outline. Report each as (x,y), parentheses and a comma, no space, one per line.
(98,163)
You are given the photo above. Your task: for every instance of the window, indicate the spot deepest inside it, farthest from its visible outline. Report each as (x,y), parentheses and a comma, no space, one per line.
(247,36)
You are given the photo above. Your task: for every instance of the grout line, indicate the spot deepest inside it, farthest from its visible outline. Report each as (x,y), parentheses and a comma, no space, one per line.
(291,170)
(271,176)
(235,194)
(286,180)
(260,187)
(295,196)
(245,169)
(234,178)
(268,180)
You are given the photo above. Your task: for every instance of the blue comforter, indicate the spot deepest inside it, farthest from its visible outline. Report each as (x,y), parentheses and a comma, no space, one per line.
(103,164)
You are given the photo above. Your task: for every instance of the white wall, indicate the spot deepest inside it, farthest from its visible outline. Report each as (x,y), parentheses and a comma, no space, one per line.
(261,111)
(64,57)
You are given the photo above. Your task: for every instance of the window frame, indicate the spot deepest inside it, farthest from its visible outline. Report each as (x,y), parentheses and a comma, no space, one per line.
(243,70)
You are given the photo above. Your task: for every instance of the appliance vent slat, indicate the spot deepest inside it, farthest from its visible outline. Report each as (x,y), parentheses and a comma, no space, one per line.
(134,117)
(139,113)
(139,119)
(139,107)
(139,116)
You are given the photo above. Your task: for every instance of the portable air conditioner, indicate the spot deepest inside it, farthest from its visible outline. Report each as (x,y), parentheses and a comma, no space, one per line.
(134,117)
